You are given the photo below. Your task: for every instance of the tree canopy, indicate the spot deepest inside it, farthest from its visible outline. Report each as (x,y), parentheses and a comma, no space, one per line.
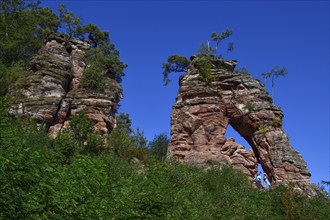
(206,53)
(24,26)
(175,63)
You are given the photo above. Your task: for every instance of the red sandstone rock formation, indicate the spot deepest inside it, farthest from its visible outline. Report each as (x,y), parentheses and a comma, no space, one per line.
(203,111)
(53,93)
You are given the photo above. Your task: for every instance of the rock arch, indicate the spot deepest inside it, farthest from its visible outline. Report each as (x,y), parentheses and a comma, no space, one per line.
(203,111)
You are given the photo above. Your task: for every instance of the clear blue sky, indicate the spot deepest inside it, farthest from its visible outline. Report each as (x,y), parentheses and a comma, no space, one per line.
(294,34)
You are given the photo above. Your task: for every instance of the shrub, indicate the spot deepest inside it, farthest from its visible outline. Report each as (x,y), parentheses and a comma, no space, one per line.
(93,79)
(277,122)
(158,146)
(249,106)
(204,67)
(263,129)
(242,70)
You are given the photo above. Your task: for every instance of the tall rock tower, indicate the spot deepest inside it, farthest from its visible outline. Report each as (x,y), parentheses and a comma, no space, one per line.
(203,111)
(53,93)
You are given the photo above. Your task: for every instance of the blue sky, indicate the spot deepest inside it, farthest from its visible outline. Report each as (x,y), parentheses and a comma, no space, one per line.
(294,34)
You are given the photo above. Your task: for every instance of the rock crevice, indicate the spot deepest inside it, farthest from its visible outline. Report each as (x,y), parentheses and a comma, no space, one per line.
(203,111)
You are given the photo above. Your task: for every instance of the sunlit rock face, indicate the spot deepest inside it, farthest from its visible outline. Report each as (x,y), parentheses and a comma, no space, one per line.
(52,92)
(203,111)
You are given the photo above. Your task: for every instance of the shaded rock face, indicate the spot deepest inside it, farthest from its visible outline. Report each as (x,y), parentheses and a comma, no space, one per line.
(53,94)
(203,112)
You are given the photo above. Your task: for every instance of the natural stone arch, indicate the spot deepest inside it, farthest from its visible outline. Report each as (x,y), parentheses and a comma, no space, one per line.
(203,111)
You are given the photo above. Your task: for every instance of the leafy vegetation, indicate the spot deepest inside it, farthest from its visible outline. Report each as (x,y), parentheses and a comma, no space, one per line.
(24,26)
(277,122)
(80,175)
(249,106)
(206,54)
(263,129)
(274,73)
(216,39)
(66,178)
(175,63)
(242,70)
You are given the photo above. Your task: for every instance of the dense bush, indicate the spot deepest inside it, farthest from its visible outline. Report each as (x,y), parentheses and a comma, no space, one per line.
(36,184)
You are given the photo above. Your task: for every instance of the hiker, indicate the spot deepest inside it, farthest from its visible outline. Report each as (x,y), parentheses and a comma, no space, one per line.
(266,181)
(258,180)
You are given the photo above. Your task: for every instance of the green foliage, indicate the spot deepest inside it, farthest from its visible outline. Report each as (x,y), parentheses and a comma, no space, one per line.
(274,73)
(242,70)
(68,20)
(78,139)
(290,204)
(73,177)
(125,142)
(12,77)
(263,129)
(204,66)
(103,61)
(205,49)
(124,122)
(93,34)
(158,146)
(277,122)
(36,184)
(65,147)
(249,106)
(80,127)
(23,28)
(47,22)
(93,79)
(206,53)
(175,63)
(218,38)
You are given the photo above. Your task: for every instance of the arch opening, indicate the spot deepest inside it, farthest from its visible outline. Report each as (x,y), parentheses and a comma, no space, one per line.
(232,133)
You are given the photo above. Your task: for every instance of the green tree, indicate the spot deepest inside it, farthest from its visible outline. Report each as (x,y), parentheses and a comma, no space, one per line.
(217,38)
(204,66)
(93,33)
(18,39)
(23,29)
(140,141)
(175,63)
(273,74)
(158,146)
(68,20)
(80,127)
(103,61)
(46,22)
(124,122)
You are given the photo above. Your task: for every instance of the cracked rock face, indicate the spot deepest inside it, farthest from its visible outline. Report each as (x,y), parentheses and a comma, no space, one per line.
(53,94)
(202,113)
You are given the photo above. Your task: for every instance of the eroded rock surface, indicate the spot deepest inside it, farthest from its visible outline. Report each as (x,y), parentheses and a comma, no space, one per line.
(203,112)
(52,93)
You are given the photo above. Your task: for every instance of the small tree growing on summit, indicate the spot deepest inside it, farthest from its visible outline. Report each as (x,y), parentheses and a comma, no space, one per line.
(218,38)
(206,53)
(175,63)
(274,73)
